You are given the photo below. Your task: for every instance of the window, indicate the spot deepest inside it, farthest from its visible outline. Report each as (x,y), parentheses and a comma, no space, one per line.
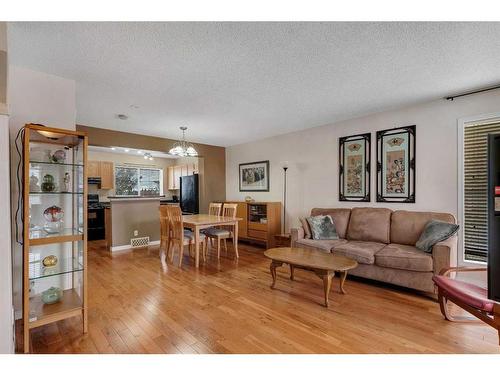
(136,181)
(475,185)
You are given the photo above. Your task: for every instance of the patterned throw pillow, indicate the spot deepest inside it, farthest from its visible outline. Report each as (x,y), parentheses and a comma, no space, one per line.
(306,227)
(322,227)
(435,231)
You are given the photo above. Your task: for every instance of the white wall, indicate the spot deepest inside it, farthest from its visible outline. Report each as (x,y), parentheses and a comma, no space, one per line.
(6,321)
(313,157)
(39,98)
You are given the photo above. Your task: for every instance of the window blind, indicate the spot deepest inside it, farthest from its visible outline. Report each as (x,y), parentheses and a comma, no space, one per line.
(476,190)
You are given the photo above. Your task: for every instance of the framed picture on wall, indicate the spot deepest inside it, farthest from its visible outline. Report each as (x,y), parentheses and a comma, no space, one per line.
(354,168)
(254,176)
(396,165)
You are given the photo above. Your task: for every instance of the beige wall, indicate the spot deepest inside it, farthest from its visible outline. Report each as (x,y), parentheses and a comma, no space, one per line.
(211,161)
(313,157)
(120,158)
(135,214)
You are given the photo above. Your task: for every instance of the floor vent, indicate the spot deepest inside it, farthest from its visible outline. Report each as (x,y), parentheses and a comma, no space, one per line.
(139,241)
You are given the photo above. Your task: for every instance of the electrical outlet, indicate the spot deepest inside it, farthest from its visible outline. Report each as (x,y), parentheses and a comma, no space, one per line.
(136,232)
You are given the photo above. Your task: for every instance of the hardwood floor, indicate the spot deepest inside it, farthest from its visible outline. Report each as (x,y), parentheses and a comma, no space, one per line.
(227,307)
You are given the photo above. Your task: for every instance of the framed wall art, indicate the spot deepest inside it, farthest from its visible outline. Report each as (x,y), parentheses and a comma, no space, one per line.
(396,165)
(354,168)
(254,176)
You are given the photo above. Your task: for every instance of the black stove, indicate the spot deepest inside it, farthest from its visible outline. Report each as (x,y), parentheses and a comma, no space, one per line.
(95,218)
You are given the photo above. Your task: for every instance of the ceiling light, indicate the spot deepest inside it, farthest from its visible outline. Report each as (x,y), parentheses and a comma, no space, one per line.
(148,156)
(183,148)
(113,148)
(126,150)
(139,152)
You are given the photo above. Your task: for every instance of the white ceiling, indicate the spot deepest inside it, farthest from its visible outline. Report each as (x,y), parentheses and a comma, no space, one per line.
(236,82)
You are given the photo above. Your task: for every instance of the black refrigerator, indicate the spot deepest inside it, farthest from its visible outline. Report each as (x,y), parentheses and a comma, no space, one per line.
(494,216)
(189,194)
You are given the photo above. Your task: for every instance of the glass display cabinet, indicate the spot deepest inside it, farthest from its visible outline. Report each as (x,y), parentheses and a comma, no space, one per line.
(54,227)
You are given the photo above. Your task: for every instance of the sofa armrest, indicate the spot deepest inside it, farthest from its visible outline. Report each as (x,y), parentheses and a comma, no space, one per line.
(444,254)
(297,233)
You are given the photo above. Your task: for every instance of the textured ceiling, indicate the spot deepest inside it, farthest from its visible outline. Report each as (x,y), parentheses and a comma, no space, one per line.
(236,82)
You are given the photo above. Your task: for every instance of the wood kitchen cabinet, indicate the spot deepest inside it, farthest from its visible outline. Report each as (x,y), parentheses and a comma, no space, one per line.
(177,171)
(107,175)
(104,170)
(93,168)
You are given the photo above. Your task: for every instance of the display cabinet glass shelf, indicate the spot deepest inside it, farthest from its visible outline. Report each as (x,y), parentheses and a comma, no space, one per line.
(54,227)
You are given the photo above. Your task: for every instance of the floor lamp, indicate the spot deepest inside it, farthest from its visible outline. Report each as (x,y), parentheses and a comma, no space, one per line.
(285,168)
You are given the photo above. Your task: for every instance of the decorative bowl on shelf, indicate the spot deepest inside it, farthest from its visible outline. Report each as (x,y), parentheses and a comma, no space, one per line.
(52,295)
(49,261)
(59,156)
(249,199)
(53,216)
(48,184)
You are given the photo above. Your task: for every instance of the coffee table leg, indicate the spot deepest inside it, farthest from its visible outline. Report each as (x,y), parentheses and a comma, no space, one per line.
(273,267)
(292,268)
(343,275)
(327,283)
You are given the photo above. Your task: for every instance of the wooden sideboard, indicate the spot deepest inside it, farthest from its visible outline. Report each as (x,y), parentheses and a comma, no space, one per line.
(261,221)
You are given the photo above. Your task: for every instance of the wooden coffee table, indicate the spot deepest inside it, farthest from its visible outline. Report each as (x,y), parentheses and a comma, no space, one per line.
(324,265)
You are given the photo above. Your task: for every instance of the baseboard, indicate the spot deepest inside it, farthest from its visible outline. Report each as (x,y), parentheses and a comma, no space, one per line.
(128,246)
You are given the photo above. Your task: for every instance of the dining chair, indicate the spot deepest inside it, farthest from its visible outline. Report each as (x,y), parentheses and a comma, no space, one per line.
(224,232)
(215,209)
(180,237)
(164,232)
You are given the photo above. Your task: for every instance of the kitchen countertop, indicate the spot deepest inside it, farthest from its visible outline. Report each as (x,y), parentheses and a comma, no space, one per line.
(122,199)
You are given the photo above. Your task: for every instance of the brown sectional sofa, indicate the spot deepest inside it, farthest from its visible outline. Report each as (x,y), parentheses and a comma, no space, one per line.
(382,241)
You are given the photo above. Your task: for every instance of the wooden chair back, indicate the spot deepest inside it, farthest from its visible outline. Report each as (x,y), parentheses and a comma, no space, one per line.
(164,222)
(176,224)
(163,211)
(215,209)
(229,210)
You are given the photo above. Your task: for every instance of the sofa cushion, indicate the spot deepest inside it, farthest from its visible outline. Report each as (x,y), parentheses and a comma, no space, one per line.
(369,224)
(322,227)
(407,226)
(340,217)
(361,251)
(404,257)
(435,231)
(325,245)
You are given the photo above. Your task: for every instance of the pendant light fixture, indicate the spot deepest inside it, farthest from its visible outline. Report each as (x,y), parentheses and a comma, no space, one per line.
(183,148)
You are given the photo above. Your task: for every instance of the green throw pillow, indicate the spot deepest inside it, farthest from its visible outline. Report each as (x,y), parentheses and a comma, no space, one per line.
(434,232)
(322,227)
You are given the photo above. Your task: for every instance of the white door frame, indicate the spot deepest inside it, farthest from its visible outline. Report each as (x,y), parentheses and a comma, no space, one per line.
(461,124)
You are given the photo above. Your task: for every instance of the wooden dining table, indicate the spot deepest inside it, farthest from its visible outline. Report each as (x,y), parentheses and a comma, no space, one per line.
(202,221)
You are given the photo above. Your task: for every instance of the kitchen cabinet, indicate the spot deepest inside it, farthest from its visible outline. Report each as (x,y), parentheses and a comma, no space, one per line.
(93,169)
(107,175)
(170,181)
(177,176)
(104,170)
(177,171)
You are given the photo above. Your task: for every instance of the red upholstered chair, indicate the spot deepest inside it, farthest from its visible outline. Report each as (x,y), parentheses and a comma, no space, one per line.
(470,297)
